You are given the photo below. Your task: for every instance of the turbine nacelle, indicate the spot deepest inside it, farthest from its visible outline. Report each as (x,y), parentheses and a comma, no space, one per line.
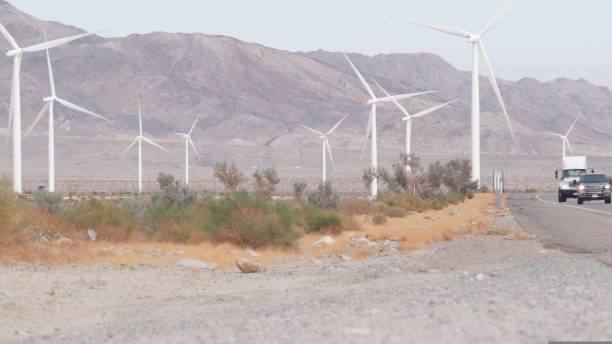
(49,99)
(14,52)
(474,39)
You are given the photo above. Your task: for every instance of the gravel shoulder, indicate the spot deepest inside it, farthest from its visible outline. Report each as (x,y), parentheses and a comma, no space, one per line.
(474,289)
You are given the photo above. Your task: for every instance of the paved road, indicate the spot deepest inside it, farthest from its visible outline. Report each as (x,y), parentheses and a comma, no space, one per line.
(574,228)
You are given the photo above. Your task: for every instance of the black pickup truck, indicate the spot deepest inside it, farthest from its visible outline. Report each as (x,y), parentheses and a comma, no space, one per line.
(593,187)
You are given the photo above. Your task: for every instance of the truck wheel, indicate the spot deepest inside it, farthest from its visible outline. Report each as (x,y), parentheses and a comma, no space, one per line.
(608,200)
(562,198)
(580,200)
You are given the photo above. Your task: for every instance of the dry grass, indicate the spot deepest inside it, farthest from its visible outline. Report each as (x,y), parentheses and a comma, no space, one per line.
(421,229)
(412,232)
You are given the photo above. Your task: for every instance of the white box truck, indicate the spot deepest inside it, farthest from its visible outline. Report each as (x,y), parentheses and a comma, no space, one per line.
(573,168)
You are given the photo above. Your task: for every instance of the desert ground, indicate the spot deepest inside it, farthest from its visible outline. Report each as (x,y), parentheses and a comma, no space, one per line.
(488,281)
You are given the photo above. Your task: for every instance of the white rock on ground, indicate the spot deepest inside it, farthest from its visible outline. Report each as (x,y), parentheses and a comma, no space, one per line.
(248,267)
(197,264)
(92,235)
(326,240)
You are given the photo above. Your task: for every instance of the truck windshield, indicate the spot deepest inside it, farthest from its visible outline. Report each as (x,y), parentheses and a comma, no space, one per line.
(573,173)
(594,178)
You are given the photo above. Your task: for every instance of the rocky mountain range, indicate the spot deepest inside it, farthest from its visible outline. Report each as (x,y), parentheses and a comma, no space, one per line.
(253,95)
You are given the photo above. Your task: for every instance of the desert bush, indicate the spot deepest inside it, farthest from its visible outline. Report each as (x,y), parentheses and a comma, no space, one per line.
(172,193)
(8,207)
(395,181)
(49,202)
(531,190)
(379,219)
(247,220)
(324,197)
(299,191)
(368,177)
(266,182)
(229,175)
(396,212)
(110,221)
(355,206)
(327,222)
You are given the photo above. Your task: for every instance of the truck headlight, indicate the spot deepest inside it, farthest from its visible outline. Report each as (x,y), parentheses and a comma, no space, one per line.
(607,186)
(581,188)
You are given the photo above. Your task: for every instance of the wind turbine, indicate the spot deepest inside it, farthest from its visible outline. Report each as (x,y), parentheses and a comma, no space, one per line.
(50,105)
(564,138)
(408,119)
(326,146)
(371,130)
(189,142)
(15,107)
(478,49)
(138,140)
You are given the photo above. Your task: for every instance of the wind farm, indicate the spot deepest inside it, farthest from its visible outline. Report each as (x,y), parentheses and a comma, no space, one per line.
(305,172)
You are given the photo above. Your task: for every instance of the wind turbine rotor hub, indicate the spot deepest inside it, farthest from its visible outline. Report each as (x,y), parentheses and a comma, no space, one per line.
(14,52)
(372,101)
(49,99)
(474,38)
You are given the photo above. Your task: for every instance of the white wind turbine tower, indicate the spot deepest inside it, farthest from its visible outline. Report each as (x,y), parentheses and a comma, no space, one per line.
(478,49)
(50,105)
(15,107)
(325,144)
(564,138)
(371,131)
(189,142)
(138,140)
(408,119)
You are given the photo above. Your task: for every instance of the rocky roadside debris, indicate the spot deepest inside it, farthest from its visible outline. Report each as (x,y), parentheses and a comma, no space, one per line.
(248,267)
(197,264)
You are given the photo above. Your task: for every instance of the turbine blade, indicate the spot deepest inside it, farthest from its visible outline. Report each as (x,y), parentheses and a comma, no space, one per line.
(129,147)
(193,146)
(572,127)
(450,31)
(551,133)
(55,43)
(310,129)
(505,7)
(398,104)
(367,138)
(361,78)
(194,125)
(569,145)
(433,109)
(79,109)
(151,142)
(404,96)
(8,37)
(337,124)
(331,155)
(38,118)
(493,81)
(51,79)
(14,96)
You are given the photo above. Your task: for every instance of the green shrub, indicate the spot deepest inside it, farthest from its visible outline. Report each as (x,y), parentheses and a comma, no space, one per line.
(109,220)
(324,222)
(49,202)
(229,175)
(299,191)
(324,197)
(247,220)
(266,182)
(8,207)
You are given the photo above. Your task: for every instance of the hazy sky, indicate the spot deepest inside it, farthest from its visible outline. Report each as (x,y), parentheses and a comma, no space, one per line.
(544,39)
